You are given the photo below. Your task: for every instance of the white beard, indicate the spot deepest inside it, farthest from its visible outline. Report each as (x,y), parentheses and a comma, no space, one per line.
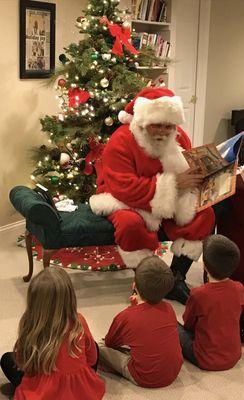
(153,147)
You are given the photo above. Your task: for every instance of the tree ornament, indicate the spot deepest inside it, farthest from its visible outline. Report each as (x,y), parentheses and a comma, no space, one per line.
(62,82)
(69,146)
(122,37)
(77,97)
(54,179)
(81,18)
(104,82)
(55,154)
(94,56)
(106,56)
(64,160)
(85,24)
(126,24)
(109,121)
(63,59)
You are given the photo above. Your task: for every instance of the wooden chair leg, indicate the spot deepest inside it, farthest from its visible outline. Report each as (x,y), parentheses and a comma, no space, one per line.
(28,242)
(47,254)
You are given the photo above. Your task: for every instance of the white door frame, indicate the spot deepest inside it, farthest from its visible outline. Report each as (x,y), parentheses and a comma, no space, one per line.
(201,71)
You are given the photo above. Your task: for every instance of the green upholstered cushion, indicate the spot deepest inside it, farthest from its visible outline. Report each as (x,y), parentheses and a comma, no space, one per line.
(64,229)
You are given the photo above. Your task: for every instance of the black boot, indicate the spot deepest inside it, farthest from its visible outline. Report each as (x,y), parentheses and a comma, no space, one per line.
(180,266)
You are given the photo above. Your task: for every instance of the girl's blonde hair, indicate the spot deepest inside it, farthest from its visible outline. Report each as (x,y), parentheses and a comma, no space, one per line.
(51,313)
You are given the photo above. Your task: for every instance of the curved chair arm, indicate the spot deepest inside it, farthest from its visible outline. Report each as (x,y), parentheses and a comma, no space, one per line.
(34,208)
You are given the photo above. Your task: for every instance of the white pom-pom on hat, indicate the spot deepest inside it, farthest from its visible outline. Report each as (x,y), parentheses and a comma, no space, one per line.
(124,117)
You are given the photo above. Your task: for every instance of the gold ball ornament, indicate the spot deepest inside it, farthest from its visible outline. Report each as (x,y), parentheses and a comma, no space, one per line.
(126,24)
(104,82)
(109,121)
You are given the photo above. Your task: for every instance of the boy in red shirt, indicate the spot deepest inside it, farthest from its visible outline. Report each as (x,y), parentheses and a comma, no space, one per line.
(210,337)
(148,329)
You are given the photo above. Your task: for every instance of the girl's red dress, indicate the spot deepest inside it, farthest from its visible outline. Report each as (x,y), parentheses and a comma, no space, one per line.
(74,378)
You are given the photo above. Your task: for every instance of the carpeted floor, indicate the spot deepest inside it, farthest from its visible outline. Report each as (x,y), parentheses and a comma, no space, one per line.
(100,296)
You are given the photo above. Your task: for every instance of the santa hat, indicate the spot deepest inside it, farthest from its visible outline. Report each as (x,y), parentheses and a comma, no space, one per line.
(153,106)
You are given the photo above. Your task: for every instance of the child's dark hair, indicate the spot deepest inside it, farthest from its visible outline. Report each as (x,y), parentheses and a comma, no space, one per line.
(153,279)
(221,256)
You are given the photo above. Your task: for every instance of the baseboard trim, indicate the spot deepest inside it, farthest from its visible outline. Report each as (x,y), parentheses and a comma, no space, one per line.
(12,226)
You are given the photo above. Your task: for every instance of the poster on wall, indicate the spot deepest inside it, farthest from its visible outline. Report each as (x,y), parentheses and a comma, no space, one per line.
(37,39)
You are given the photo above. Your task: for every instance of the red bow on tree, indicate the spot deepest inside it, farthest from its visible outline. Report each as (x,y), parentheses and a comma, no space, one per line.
(95,153)
(122,37)
(77,96)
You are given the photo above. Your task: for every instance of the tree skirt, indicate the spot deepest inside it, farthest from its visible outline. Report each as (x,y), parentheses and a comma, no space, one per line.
(95,258)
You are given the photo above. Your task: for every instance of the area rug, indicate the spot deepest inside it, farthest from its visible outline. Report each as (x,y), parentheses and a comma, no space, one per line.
(94,258)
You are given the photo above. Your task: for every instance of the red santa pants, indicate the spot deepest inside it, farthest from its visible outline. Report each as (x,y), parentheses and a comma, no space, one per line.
(132,234)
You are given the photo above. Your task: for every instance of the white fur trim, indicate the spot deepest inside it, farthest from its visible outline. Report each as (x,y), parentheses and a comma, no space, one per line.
(124,117)
(152,222)
(164,200)
(132,258)
(186,208)
(165,109)
(105,204)
(189,248)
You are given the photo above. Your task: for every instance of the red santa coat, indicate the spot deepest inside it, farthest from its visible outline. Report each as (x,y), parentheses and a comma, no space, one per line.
(130,178)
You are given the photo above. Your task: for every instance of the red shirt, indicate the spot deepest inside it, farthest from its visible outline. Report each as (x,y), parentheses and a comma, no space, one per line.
(74,378)
(151,333)
(213,313)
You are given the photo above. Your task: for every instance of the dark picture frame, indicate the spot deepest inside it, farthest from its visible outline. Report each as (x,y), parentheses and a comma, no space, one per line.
(37,39)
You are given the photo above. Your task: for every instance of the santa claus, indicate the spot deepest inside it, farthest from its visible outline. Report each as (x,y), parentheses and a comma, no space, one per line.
(145,184)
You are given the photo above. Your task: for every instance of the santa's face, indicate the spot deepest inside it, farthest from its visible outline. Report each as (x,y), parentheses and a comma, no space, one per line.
(159,133)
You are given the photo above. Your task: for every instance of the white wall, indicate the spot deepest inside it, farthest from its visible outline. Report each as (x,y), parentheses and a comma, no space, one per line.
(23,102)
(225,77)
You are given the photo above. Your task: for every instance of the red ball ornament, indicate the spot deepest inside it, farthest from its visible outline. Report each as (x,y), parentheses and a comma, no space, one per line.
(61,82)
(80,19)
(161,80)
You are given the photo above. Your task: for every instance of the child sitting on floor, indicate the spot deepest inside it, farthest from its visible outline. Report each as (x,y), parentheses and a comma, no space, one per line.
(55,351)
(148,329)
(210,337)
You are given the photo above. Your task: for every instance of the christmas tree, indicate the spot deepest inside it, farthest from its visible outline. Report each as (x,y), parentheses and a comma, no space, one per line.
(97,77)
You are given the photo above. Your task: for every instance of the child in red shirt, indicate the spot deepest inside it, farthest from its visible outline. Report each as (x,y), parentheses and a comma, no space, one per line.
(148,329)
(210,337)
(55,350)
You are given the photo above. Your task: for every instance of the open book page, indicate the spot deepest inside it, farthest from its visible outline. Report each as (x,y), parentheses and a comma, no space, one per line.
(217,187)
(219,175)
(205,159)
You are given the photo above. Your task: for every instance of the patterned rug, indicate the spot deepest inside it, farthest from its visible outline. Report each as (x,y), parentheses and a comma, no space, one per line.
(94,258)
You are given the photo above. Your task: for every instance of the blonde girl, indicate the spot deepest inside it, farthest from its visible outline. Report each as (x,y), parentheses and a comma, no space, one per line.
(55,351)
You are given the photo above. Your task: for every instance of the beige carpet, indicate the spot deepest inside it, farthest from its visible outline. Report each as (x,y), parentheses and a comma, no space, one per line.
(100,296)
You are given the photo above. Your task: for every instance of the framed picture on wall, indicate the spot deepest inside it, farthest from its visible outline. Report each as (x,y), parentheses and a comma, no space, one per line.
(37,39)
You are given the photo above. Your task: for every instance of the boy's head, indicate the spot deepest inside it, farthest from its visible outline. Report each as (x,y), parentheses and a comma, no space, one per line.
(153,279)
(221,256)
